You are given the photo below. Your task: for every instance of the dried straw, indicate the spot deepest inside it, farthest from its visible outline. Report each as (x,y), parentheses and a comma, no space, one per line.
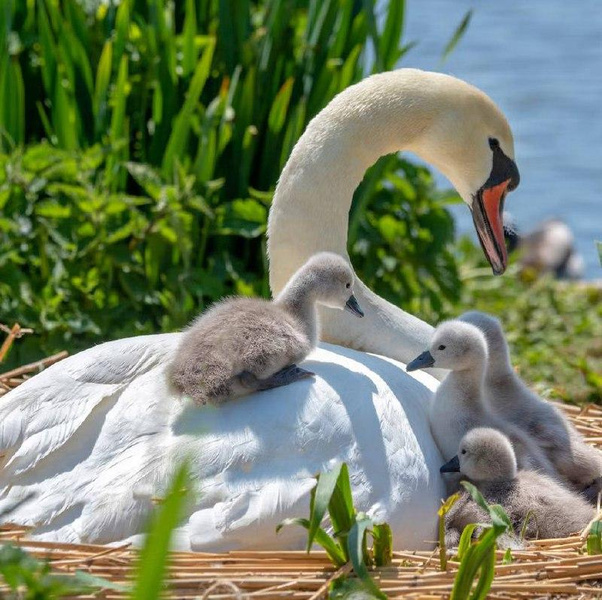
(552,568)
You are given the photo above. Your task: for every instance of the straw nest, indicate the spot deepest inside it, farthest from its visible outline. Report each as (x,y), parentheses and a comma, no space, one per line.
(551,568)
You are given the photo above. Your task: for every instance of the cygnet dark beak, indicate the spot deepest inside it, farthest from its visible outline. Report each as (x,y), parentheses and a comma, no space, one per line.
(423,361)
(452,466)
(353,306)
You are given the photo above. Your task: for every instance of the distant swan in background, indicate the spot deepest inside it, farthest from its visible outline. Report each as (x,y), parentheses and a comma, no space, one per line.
(97,435)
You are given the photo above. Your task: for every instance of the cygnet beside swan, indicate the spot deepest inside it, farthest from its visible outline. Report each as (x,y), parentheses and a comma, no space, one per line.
(459,403)
(93,432)
(486,457)
(245,345)
(509,397)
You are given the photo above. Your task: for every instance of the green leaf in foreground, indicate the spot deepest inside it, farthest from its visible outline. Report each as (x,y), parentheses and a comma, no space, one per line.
(382,548)
(356,553)
(349,542)
(334,551)
(457,35)
(594,538)
(478,559)
(33,578)
(445,508)
(154,554)
(599,246)
(343,588)
(319,500)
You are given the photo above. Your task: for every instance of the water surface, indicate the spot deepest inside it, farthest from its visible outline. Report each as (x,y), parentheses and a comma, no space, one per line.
(542,63)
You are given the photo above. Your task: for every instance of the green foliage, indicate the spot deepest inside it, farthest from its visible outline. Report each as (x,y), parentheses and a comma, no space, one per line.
(477,559)
(167,126)
(400,238)
(594,539)
(441,513)
(153,563)
(457,35)
(349,543)
(31,579)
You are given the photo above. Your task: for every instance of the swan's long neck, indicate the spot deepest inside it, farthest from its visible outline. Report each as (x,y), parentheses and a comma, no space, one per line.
(313,197)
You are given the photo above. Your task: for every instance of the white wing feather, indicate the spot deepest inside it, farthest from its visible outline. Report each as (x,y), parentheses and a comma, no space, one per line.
(96,436)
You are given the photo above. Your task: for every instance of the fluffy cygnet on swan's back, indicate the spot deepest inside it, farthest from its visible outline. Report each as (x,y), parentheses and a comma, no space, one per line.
(458,405)
(509,397)
(486,457)
(243,345)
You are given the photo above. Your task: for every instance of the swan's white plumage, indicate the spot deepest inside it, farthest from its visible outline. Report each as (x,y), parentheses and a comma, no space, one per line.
(95,436)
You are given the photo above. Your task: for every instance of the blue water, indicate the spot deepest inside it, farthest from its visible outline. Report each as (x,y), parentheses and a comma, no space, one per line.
(541,61)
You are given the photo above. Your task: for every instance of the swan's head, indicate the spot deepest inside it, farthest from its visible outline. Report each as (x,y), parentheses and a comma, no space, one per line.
(455,345)
(484,454)
(331,279)
(467,137)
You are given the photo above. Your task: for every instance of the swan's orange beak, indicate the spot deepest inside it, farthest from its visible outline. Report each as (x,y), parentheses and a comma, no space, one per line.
(487,208)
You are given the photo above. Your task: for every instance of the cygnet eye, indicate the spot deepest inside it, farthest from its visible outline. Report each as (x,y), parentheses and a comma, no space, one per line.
(348,286)
(442,347)
(463,451)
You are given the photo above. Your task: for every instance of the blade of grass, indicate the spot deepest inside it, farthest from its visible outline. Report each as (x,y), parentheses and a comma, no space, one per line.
(340,508)
(486,576)
(466,540)
(356,554)
(457,35)
(472,562)
(373,31)
(320,500)
(189,54)
(594,539)
(382,548)
(445,508)
(334,551)
(103,78)
(389,41)
(154,555)
(179,136)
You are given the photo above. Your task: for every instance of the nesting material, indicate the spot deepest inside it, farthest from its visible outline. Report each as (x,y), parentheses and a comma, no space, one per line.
(555,568)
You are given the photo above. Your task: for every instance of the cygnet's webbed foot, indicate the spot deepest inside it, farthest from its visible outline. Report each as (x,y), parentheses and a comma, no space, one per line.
(285,376)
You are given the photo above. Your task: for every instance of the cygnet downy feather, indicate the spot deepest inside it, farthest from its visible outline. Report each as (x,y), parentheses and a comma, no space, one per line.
(244,345)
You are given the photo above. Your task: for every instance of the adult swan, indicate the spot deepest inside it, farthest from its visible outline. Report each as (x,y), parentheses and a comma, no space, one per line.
(96,436)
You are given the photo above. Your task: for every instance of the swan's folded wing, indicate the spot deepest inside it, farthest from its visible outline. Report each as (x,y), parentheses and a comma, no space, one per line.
(43,413)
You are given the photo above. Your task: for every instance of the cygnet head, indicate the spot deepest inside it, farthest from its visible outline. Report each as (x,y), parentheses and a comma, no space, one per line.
(455,345)
(488,324)
(331,279)
(497,347)
(484,454)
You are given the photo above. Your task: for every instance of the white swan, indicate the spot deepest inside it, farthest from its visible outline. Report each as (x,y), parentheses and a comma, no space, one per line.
(95,436)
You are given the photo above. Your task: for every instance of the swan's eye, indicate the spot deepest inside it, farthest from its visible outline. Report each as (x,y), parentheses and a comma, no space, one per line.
(493,143)
(442,347)
(463,451)
(348,286)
